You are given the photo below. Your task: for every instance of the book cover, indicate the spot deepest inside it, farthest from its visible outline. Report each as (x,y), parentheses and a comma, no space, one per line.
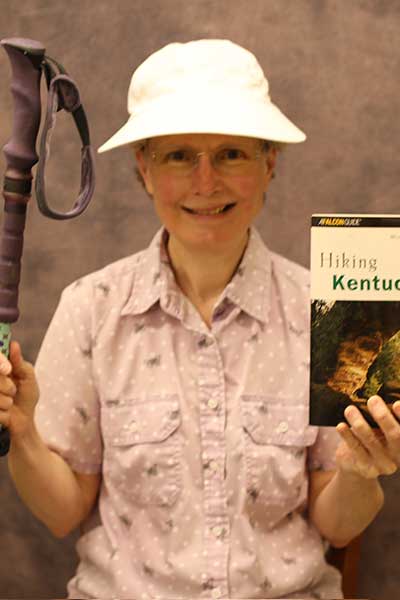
(355,314)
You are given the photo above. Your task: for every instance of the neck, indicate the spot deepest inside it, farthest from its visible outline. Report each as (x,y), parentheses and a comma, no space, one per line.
(202,276)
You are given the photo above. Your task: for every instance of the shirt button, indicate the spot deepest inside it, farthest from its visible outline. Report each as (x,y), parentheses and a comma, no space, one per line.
(282,427)
(212,403)
(213,465)
(216,593)
(217,531)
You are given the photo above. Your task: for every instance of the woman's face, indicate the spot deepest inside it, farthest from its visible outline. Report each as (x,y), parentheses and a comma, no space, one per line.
(232,171)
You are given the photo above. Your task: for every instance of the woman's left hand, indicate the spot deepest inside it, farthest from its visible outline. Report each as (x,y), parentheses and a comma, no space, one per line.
(367,451)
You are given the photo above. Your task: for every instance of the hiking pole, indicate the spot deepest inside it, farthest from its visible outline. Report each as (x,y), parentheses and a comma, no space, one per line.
(28,61)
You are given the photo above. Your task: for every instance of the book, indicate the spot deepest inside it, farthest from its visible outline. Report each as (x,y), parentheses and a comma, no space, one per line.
(355,314)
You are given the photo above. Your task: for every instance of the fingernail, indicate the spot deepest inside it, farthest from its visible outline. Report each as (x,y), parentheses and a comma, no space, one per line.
(349,412)
(373,401)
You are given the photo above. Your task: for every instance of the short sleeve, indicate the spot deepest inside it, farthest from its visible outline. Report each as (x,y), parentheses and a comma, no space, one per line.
(67,415)
(321,455)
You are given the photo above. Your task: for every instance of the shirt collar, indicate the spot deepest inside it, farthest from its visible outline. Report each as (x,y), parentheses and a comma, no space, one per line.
(151,276)
(250,287)
(154,281)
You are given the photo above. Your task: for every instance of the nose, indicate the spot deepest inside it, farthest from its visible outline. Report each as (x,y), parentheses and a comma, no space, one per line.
(205,178)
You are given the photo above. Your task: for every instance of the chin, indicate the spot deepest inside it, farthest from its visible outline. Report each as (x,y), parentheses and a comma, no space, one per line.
(212,240)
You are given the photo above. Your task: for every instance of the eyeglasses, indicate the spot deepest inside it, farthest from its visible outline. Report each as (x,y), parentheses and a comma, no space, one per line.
(227,160)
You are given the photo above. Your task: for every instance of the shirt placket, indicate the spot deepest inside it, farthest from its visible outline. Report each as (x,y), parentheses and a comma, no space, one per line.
(211,386)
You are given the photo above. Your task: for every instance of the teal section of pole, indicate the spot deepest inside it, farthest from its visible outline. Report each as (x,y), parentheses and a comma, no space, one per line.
(5,338)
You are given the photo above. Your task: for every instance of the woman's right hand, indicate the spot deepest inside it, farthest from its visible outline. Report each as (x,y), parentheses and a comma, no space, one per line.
(19,392)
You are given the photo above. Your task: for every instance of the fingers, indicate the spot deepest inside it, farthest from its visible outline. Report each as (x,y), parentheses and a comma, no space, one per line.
(5,365)
(15,357)
(19,392)
(380,443)
(386,420)
(15,363)
(6,404)
(8,390)
(389,426)
(7,394)
(396,409)
(357,458)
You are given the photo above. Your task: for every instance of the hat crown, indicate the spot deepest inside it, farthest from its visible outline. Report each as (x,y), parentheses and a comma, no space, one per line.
(206,67)
(208,86)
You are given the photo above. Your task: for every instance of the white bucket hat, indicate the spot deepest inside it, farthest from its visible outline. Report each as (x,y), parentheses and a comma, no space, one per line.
(203,86)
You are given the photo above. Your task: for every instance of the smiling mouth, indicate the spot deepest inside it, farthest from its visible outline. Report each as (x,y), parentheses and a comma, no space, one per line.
(215,211)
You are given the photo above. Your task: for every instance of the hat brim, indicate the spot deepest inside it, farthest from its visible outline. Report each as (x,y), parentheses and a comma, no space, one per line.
(264,121)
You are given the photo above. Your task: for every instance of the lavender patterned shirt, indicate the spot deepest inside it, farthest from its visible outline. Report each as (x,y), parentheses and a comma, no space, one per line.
(201,435)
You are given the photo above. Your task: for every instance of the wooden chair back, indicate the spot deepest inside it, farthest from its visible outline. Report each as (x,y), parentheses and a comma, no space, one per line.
(347,560)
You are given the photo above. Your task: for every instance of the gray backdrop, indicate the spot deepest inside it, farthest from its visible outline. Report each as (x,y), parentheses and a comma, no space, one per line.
(334,67)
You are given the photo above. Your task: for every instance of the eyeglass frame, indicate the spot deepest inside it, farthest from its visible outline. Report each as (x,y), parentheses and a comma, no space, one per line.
(265,147)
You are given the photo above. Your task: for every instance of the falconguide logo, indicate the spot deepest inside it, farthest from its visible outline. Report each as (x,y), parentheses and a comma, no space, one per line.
(340,221)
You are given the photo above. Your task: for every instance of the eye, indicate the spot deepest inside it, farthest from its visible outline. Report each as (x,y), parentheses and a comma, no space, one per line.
(231,155)
(177,156)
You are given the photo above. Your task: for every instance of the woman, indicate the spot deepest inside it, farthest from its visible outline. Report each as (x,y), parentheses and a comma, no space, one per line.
(173,415)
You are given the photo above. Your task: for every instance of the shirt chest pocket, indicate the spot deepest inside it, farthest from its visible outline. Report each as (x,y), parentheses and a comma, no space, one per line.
(276,435)
(142,449)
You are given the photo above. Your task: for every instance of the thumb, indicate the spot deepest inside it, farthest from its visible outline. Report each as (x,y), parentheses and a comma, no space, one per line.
(20,368)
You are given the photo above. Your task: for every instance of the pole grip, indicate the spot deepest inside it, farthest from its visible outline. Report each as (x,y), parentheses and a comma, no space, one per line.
(11,246)
(26,57)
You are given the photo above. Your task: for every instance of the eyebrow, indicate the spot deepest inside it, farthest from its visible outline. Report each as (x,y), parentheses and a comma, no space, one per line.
(187,145)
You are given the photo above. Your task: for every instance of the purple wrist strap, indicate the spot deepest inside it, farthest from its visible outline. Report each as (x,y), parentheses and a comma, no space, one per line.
(64,94)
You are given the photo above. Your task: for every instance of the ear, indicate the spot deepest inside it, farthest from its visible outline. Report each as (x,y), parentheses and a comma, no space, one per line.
(142,162)
(270,161)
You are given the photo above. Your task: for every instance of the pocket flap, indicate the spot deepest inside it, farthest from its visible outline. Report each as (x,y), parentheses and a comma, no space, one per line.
(142,421)
(281,421)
